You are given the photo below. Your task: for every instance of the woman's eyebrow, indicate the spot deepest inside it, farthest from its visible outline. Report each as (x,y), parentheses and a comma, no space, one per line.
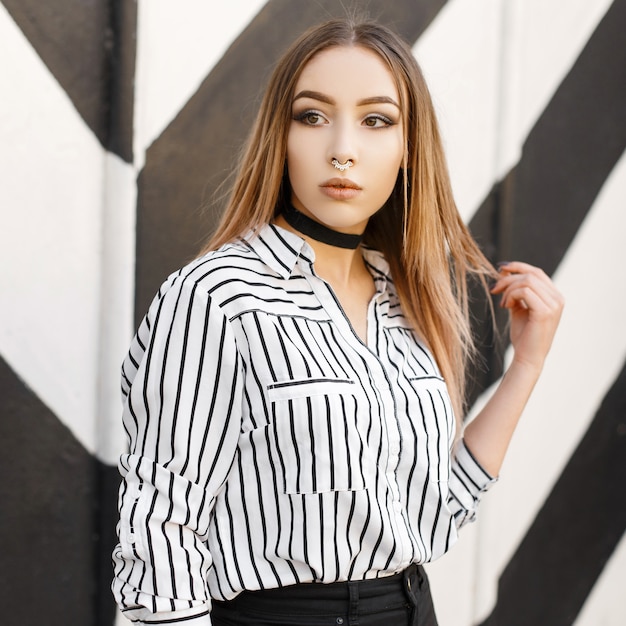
(314,95)
(378,100)
(321,97)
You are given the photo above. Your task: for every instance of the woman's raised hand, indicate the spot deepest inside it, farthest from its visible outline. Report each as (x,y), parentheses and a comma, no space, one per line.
(535,306)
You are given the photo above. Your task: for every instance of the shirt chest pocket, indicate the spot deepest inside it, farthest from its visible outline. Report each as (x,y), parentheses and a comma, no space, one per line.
(317,437)
(430,410)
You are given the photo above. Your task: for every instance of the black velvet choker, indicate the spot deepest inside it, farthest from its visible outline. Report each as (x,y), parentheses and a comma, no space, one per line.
(304,224)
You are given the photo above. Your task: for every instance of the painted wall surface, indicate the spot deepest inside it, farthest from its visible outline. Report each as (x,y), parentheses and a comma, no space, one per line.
(118,121)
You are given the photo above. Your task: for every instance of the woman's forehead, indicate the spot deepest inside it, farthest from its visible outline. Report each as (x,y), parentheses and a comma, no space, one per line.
(342,69)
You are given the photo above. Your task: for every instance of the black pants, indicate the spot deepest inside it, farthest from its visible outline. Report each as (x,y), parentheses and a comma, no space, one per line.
(400,600)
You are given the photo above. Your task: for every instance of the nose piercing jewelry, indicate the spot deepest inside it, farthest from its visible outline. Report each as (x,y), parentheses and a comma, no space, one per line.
(342,167)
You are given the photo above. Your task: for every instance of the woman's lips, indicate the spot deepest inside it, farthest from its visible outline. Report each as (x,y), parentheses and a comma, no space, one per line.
(340,189)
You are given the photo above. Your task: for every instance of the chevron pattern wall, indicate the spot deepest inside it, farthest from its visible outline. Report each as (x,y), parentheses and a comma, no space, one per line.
(119,119)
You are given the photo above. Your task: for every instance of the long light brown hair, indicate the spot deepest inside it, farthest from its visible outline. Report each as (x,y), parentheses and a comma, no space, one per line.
(419,230)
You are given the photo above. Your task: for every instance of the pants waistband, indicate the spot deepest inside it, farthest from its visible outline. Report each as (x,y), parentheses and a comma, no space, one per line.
(396,589)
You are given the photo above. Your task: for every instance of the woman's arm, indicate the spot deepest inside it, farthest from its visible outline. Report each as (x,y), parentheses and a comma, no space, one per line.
(535,307)
(183,417)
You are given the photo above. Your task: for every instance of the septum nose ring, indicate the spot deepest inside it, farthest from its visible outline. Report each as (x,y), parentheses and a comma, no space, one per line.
(342,167)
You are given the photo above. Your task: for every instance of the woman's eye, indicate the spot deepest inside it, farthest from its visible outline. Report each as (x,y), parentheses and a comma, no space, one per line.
(311,118)
(377,121)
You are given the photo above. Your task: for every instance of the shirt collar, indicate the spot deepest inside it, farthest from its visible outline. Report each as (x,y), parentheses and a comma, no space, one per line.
(280,249)
(379,268)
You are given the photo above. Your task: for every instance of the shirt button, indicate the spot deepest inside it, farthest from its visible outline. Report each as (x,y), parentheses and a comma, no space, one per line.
(339,620)
(131,538)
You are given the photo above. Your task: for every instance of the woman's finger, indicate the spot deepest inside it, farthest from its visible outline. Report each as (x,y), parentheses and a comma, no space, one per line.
(513,283)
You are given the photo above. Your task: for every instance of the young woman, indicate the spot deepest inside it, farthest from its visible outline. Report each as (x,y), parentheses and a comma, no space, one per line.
(290,396)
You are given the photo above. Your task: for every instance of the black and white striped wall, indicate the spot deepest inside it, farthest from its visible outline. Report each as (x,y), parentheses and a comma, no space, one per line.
(119,119)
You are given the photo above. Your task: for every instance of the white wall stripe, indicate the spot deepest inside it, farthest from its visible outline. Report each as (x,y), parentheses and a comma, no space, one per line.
(178,43)
(117,297)
(461,55)
(51,197)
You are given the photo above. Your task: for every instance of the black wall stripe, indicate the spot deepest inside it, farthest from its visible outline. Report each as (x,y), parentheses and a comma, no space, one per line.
(90,49)
(576,531)
(48,495)
(121,77)
(108,483)
(195,153)
(536,211)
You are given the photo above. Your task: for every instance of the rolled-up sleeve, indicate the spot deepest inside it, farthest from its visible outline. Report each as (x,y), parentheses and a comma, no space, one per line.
(182,385)
(468,481)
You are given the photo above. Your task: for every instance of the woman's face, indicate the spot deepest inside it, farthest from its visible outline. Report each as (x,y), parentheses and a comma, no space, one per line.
(345,107)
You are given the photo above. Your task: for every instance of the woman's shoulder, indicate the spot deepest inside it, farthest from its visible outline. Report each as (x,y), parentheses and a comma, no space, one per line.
(227,263)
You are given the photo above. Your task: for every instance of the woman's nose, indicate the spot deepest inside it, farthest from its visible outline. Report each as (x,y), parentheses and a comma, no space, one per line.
(343,145)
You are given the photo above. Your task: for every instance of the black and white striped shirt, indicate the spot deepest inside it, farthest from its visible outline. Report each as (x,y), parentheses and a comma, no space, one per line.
(269,445)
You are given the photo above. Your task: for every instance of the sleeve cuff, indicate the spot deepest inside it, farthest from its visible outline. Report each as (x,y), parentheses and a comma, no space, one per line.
(197,616)
(476,473)
(468,481)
